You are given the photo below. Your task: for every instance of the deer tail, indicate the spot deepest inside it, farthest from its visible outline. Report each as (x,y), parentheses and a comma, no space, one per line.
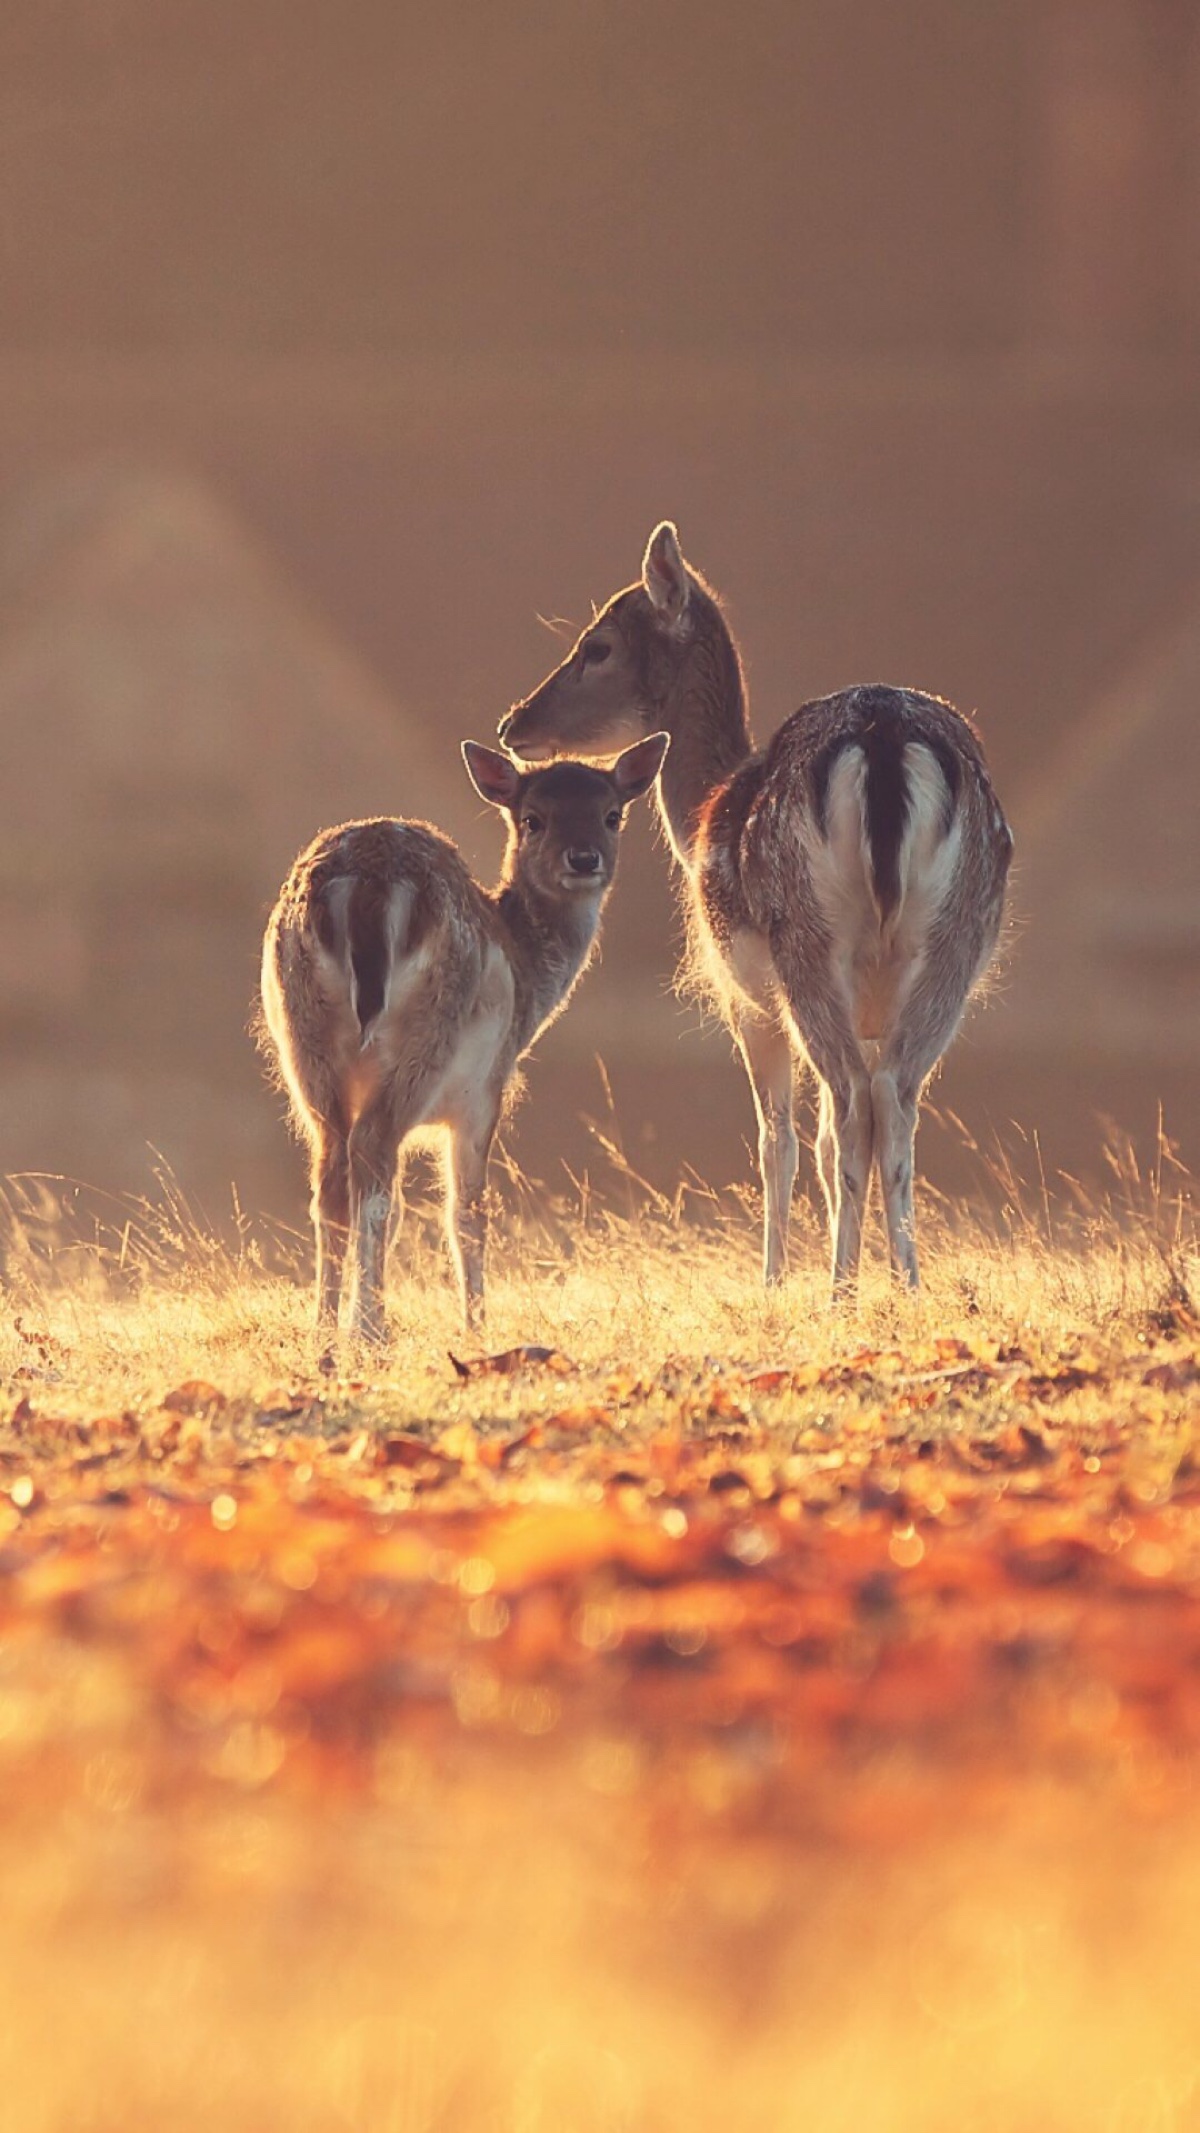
(911,790)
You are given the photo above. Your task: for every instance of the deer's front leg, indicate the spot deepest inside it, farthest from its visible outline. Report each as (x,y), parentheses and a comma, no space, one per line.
(466,1209)
(767,1050)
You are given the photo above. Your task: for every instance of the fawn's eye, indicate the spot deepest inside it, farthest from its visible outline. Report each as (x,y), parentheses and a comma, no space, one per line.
(531,824)
(594,652)
(612,820)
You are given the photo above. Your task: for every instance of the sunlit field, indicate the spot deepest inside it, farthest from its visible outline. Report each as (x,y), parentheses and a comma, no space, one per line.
(695,1712)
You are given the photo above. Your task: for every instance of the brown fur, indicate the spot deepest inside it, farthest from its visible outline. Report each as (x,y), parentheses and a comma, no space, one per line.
(397,995)
(845,885)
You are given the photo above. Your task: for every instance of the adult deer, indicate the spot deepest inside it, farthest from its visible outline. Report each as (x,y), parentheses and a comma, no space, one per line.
(397,994)
(845,885)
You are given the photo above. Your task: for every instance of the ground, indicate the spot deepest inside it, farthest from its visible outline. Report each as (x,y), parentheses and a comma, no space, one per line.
(694,1711)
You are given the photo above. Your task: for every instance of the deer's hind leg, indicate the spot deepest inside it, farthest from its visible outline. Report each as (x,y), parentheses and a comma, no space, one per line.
(895,1107)
(331,1216)
(850,1140)
(924,1026)
(396,1107)
(846,1132)
(826,1152)
(373,1152)
(319,1113)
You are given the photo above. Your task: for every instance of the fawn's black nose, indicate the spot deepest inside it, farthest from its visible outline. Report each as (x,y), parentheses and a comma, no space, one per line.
(583,862)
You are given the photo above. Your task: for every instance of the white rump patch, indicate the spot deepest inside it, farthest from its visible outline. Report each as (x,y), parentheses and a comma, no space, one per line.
(840,861)
(873,963)
(929,853)
(403,970)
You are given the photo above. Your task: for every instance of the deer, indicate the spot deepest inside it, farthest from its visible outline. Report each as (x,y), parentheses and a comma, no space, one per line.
(844,887)
(398,995)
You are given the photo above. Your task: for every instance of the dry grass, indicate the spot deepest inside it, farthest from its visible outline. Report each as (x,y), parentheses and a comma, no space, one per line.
(595,1931)
(137,1295)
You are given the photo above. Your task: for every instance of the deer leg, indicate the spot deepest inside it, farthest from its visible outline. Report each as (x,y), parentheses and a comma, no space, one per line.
(854,1133)
(895,1131)
(825,1151)
(331,1219)
(845,1145)
(924,1027)
(373,1149)
(845,1140)
(766,1049)
(466,1211)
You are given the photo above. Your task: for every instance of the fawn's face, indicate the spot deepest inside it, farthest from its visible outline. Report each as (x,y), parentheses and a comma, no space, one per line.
(565,821)
(612,686)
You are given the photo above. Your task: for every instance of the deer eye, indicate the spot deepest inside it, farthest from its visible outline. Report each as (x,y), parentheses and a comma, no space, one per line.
(613,819)
(531,825)
(594,652)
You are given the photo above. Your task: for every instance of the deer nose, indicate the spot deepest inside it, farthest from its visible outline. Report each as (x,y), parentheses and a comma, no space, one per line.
(583,862)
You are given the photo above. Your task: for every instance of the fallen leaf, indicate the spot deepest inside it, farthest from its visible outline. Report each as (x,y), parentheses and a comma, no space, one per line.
(580,1418)
(495,1452)
(194,1397)
(283,1406)
(403,1449)
(459,1444)
(506,1364)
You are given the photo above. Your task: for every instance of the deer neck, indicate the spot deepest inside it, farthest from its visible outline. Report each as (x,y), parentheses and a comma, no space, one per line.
(549,941)
(701,703)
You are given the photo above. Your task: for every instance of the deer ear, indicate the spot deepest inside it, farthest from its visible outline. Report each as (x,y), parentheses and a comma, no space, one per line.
(664,573)
(636,770)
(495,777)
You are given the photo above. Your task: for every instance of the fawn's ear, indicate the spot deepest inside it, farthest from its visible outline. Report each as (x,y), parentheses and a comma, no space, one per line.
(495,777)
(664,573)
(636,770)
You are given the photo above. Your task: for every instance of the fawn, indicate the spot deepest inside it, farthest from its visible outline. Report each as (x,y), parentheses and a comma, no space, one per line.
(398,994)
(845,885)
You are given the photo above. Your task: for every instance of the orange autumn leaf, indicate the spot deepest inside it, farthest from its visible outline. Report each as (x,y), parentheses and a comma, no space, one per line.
(512,1360)
(580,1418)
(401,1449)
(194,1397)
(535,1543)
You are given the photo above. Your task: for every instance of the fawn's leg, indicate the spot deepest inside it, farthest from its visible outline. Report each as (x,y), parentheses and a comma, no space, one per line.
(374,1147)
(766,1048)
(331,1219)
(466,1209)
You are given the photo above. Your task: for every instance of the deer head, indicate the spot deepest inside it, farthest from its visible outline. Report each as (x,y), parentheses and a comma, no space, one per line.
(564,821)
(613,684)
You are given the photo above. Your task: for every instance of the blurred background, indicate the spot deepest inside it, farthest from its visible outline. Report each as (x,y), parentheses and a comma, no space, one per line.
(343,347)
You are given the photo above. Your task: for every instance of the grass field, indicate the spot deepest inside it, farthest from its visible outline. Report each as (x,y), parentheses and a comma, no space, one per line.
(696,1712)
